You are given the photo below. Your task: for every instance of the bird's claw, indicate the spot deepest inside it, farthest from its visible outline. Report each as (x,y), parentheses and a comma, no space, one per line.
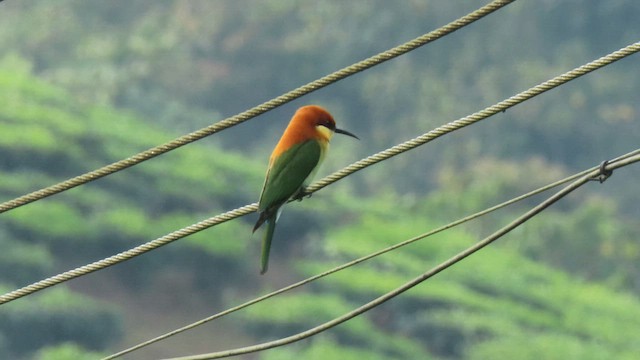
(301,194)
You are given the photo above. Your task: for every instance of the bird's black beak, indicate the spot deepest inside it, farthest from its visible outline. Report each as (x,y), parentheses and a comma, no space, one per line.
(345,132)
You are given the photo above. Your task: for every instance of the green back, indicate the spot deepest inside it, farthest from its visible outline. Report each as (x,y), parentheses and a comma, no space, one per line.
(288,173)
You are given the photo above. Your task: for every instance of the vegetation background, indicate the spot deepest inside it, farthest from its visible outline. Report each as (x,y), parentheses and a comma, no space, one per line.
(85,83)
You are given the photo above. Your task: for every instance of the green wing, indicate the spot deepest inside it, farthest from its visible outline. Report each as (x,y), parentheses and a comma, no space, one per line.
(288,173)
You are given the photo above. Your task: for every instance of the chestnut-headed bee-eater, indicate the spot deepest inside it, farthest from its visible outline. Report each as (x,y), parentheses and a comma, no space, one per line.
(292,165)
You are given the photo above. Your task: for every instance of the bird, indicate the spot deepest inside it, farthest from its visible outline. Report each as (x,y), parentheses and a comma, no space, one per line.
(292,165)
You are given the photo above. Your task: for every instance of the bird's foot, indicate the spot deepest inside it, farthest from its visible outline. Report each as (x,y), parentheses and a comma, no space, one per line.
(301,194)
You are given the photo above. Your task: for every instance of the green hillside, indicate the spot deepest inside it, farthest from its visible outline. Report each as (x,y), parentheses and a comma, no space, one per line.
(85,84)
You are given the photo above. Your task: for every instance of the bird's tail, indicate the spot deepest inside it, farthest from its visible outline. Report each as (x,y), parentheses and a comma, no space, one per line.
(261,219)
(266,245)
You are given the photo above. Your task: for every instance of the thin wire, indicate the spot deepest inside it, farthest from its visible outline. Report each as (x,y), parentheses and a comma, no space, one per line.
(255,111)
(361,259)
(359,165)
(592,175)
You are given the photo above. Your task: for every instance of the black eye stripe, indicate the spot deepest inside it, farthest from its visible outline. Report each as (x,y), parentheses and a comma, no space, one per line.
(328,124)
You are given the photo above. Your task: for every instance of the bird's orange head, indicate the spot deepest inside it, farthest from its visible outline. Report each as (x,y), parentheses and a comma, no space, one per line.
(310,122)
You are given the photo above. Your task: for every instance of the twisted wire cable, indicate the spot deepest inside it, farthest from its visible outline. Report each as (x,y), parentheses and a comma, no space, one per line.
(255,111)
(373,159)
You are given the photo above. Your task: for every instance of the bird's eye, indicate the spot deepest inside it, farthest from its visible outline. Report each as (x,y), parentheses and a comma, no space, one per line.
(328,124)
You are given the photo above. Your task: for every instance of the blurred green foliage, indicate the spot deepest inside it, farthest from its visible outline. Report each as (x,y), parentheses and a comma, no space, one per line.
(66,351)
(488,298)
(56,317)
(85,84)
(57,138)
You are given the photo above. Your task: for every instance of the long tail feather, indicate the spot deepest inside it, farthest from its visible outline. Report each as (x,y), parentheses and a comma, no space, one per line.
(266,244)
